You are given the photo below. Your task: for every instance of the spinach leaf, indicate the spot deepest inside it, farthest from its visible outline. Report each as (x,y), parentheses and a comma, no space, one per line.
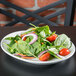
(42,33)
(62,40)
(36,48)
(44,28)
(29,38)
(53,54)
(12,39)
(54,50)
(9,38)
(24,48)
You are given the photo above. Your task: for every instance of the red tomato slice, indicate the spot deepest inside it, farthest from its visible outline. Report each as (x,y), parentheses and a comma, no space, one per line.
(64,52)
(45,57)
(52,38)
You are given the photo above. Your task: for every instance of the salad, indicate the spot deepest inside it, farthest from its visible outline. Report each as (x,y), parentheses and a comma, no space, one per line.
(39,42)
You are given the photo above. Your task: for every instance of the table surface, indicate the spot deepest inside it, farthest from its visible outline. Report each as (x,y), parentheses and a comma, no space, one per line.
(12,67)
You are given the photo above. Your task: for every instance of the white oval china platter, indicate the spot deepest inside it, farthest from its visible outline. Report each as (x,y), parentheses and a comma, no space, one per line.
(33,61)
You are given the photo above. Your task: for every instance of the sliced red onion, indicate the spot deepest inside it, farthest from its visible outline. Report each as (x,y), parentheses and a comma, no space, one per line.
(42,53)
(35,37)
(60,56)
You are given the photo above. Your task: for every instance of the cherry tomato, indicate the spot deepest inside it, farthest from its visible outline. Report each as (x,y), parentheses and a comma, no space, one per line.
(64,52)
(24,37)
(44,57)
(52,38)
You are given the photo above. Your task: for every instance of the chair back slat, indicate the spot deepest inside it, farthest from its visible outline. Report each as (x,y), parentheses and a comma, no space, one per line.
(68,11)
